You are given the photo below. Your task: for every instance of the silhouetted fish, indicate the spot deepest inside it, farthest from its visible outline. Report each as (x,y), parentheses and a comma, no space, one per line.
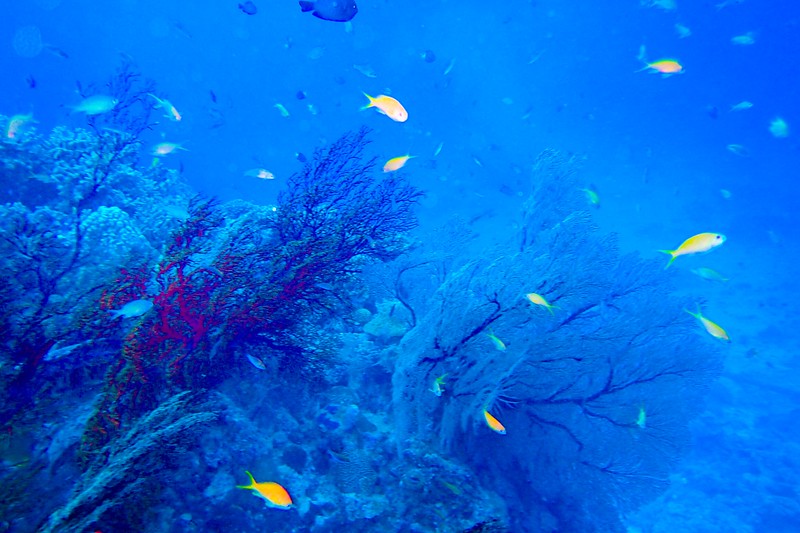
(333,10)
(248,8)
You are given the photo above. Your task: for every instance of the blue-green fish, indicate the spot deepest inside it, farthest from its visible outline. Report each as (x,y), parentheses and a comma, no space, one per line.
(95,105)
(132,309)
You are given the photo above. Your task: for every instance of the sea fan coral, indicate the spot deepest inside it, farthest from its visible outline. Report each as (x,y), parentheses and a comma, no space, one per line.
(573,389)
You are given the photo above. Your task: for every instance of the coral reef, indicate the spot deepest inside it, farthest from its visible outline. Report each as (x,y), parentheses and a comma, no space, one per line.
(120,469)
(595,398)
(74,219)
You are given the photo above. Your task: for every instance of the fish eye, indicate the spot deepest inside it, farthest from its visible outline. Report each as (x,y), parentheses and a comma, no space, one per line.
(718,237)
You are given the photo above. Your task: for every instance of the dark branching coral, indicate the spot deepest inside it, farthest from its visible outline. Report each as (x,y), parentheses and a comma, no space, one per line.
(260,285)
(595,398)
(130,116)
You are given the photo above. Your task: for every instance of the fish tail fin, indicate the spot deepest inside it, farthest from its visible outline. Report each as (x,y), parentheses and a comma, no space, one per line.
(371,102)
(306,6)
(698,315)
(252,482)
(671,259)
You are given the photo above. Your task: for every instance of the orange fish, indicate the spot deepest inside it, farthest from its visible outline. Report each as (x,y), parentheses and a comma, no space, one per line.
(16,125)
(272,493)
(388,106)
(666,67)
(702,242)
(396,163)
(493,423)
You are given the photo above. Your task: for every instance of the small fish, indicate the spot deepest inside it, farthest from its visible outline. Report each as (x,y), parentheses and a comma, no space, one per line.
(282,110)
(741,106)
(312,109)
(744,40)
(180,28)
(366,70)
(738,149)
(779,128)
(272,493)
(438,149)
(300,95)
(500,345)
(713,329)
(700,243)
(300,157)
(132,309)
(592,197)
(452,487)
(493,423)
(727,3)
(388,106)
(709,274)
(438,385)
(248,8)
(332,10)
(17,124)
(449,68)
(666,5)
(31,81)
(213,96)
(428,56)
(665,67)
(169,109)
(396,163)
(538,299)
(641,419)
(95,105)
(256,362)
(682,31)
(166,148)
(725,193)
(58,52)
(260,173)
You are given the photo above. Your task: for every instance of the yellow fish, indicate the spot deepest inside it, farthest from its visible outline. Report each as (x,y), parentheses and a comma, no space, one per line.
(438,385)
(396,163)
(169,109)
(702,242)
(272,493)
(500,345)
(493,423)
(166,148)
(713,329)
(592,197)
(539,300)
(388,106)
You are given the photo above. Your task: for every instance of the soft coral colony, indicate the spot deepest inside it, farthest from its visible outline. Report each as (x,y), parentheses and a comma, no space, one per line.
(111,262)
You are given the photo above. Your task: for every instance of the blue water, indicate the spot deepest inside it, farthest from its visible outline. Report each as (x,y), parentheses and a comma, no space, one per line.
(488,87)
